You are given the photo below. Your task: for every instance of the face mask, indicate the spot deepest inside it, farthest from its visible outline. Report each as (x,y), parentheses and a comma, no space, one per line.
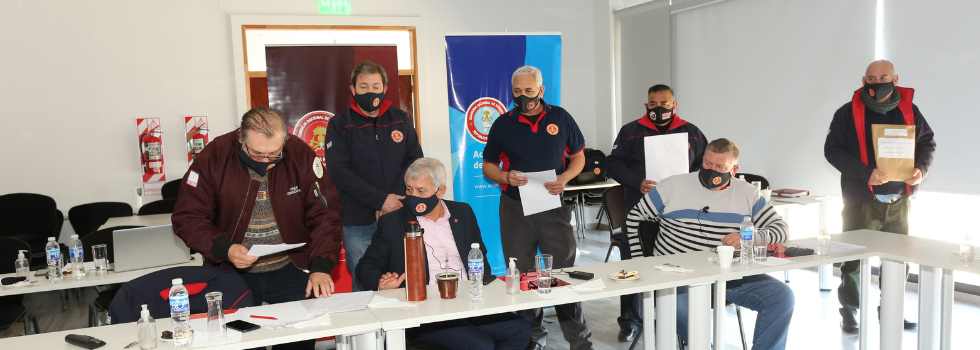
(526,104)
(369,102)
(421,206)
(880,90)
(259,167)
(712,179)
(660,115)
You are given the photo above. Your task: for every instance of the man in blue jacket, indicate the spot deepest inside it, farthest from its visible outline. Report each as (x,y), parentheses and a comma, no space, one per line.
(368,147)
(627,165)
(871,200)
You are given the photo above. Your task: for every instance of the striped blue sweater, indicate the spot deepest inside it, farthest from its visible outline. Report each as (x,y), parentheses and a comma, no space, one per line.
(678,202)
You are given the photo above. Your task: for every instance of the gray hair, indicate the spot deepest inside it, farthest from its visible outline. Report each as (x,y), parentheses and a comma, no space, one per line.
(724,146)
(528,70)
(264,120)
(430,167)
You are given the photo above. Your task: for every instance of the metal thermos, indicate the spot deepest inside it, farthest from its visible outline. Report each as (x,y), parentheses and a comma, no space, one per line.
(414,262)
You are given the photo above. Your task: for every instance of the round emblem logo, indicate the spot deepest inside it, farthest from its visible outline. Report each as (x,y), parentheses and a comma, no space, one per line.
(420,208)
(312,128)
(480,115)
(596,171)
(397,136)
(716,180)
(552,129)
(376,102)
(531,105)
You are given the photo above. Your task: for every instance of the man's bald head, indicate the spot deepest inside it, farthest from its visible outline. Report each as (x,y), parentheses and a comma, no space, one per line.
(879,67)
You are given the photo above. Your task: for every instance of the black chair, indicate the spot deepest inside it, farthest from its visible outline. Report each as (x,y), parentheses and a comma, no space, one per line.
(615,209)
(12,310)
(106,292)
(199,280)
(31,218)
(171,189)
(163,206)
(87,218)
(752,177)
(593,198)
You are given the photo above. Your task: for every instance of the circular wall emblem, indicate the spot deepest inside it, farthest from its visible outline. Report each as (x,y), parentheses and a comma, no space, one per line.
(312,128)
(596,171)
(376,102)
(420,208)
(397,136)
(480,115)
(552,129)
(716,180)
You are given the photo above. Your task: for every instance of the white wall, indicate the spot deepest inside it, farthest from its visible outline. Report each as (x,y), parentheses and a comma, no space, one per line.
(77,74)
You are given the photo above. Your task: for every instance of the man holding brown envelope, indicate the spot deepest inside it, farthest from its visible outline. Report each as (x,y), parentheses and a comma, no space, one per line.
(883,147)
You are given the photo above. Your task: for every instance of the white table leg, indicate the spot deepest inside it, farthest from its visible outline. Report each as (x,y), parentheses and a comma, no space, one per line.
(366,341)
(930,281)
(649,315)
(666,315)
(825,272)
(720,315)
(864,303)
(892,282)
(343,342)
(946,322)
(699,317)
(395,339)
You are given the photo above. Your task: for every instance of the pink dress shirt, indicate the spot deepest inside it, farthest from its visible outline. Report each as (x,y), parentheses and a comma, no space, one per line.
(439,241)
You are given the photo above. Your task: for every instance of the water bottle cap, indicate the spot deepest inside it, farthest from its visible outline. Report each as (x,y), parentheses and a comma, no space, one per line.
(50,239)
(475,245)
(177,281)
(74,236)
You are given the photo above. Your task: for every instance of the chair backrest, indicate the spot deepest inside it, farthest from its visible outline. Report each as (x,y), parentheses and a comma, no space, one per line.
(103,236)
(649,231)
(8,253)
(162,206)
(752,177)
(29,214)
(171,189)
(87,218)
(153,290)
(613,200)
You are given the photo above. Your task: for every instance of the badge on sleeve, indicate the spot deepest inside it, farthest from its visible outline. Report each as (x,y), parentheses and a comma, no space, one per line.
(192,178)
(317,167)
(397,136)
(552,129)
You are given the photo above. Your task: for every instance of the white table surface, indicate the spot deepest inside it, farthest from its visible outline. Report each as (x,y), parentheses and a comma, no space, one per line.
(43,285)
(119,335)
(608,183)
(138,220)
(919,250)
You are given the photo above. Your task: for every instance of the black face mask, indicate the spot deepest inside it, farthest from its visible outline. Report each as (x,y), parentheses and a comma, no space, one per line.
(421,206)
(880,90)
(660,115)
(369,102)
(712,179)
(526,104)
(259,167)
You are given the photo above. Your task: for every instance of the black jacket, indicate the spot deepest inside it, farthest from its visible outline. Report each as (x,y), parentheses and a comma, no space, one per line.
(367,160)
(843,152)
(626,162)
(387,250)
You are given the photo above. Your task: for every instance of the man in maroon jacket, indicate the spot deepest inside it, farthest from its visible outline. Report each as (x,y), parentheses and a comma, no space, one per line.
(256,185)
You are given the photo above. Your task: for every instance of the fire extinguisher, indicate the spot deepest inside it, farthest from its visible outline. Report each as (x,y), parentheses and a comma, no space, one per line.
(152,151)
(197,141)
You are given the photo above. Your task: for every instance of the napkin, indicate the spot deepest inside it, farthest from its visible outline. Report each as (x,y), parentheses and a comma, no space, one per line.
(378,302)
(24,283)
(322,320)
(558,292)
(672,268)
(590,286)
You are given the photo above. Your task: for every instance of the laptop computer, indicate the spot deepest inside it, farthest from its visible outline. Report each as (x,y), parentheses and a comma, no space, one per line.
(146,247)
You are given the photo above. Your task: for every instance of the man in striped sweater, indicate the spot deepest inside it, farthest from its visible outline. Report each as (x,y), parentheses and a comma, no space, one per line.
(700,211)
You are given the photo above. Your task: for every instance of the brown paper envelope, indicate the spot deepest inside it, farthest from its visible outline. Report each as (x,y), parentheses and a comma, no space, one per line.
(898,169)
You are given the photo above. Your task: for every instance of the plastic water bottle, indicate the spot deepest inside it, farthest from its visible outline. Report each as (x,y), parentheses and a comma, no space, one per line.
(748,243)
(52,252)
(77,254)
(475,268)
(180,312)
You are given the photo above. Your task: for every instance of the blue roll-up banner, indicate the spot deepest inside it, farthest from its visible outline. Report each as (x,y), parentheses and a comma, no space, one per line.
(479,70)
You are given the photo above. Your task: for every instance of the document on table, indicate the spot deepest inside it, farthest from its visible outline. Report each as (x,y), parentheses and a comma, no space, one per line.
(283,312)
(835,247)
(340,302)
(266,249)
(534,197)
(666,156)
(559,293)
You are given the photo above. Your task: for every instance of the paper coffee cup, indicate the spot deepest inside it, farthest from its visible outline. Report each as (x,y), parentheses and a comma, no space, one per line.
(725,254)
(767,194)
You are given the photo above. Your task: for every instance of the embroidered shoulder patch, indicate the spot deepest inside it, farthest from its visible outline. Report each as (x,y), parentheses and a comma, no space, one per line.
(192,178)
(317,167)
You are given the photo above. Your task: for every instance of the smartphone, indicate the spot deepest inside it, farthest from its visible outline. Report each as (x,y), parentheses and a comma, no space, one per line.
(243,326)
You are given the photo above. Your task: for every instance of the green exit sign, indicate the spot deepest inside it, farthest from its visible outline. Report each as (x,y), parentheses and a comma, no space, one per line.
(334,7)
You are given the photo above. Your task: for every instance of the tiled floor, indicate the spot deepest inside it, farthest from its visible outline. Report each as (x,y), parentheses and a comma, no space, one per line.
(814,326)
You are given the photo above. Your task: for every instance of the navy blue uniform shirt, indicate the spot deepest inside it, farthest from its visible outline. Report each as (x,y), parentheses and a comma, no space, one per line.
(514,143)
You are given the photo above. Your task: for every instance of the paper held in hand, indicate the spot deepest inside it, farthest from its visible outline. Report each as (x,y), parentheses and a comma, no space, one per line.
(666,156)
(266,249)
(894,150)
(534,196)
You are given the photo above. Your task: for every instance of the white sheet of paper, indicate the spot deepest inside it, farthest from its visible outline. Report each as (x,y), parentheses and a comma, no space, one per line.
(341,302)
(665,156)
(283,312)
(897,132)
(835,247)
(896,148)
(266,249)
(534,197)
(558,293)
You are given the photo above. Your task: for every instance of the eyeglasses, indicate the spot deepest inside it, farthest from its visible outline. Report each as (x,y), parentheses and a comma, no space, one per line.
(278,153)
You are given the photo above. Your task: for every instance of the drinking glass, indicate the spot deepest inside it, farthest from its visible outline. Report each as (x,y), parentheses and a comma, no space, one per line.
(542,265)
(217,330)
(100,256)
(761,244)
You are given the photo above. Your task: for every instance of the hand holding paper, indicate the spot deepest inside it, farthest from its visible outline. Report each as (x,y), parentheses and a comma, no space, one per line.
(535,198)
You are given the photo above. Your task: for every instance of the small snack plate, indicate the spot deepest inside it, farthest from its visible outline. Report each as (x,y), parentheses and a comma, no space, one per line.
(612,276)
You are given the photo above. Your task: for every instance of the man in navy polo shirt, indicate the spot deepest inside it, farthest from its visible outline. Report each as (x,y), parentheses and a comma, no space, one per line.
(368,148)
(533,137)
(627,165)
